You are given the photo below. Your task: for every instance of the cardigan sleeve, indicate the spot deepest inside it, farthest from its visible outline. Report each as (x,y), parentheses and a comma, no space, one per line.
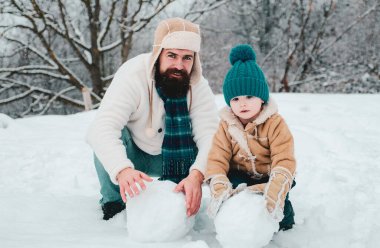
(104,134)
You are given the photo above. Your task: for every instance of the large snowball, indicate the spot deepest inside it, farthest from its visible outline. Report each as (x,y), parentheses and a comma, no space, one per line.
(158,214)
(244,222)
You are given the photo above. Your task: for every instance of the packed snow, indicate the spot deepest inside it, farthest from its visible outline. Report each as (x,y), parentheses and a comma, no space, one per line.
(243,221)
(49,189)
(158,214)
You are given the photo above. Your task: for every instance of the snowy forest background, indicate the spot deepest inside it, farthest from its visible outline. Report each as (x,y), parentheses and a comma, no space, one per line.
(59,56)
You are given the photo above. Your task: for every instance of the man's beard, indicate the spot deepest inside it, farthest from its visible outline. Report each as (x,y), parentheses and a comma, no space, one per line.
(173,87)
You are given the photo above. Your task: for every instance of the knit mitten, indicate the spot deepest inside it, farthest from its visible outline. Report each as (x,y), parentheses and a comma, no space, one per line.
(275,191)
(221,190)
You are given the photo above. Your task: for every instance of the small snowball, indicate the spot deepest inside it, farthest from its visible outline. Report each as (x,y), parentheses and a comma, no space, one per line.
(243,221)
(158,214)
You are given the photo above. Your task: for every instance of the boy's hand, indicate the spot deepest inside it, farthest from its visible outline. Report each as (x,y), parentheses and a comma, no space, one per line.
(277,188)
(274,191)
(221,190)
(219,184)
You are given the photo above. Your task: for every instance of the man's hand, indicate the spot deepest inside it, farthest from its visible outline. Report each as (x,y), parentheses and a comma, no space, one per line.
(191,186)
(128,178)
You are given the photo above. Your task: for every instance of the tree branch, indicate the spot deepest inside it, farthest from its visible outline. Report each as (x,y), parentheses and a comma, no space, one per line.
(37,89)
(55,97)
(211,6)
(358,19)
(105,30)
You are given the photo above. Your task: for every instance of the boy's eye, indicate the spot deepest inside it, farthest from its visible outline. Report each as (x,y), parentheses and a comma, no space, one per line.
(235,99)
(249,97)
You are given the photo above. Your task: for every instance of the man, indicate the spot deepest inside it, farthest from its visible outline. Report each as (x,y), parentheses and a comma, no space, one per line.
(157,118)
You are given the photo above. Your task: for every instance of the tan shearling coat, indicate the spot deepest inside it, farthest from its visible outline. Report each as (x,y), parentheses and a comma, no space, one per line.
(258,148)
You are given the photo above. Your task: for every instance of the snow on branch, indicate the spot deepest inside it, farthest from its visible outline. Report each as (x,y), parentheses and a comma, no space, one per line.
(142,22)
(32,89)
(33,49)
(110,46)
(107,78)
(17,97)
(131,24)
(36,101)
(50,23)
(6,86)
(209,7)
(108,22)
(55,97)
(358,19)
(27,67)
(42,72)
(267,56)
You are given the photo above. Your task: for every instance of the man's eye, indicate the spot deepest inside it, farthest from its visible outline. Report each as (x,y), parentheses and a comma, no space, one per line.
(171,56)
(188,58)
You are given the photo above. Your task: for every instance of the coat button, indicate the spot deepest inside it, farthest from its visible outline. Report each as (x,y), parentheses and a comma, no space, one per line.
(159,130)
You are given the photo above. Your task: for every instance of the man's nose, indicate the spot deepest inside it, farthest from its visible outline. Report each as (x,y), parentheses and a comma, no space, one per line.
(179,65)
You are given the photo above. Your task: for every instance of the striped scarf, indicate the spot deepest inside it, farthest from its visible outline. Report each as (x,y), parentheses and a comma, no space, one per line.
(178,149)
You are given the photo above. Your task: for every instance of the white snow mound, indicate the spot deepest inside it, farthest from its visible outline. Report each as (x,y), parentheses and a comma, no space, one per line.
(196,244)
(158,214)
(243,221)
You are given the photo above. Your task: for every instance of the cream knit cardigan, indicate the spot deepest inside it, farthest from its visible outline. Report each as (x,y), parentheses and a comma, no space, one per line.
(126,103)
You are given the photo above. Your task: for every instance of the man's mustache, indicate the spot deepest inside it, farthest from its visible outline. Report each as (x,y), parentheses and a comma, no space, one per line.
(182,73)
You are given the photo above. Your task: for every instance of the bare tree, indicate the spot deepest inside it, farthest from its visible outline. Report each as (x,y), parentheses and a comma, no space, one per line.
(56,55)
(294,40)
(85,31)
(308,42)
(73,45)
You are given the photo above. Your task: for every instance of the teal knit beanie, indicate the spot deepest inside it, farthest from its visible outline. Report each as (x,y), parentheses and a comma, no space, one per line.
(245,76)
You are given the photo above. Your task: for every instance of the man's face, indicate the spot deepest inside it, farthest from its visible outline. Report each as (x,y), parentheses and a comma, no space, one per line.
(176,60)
(173,72)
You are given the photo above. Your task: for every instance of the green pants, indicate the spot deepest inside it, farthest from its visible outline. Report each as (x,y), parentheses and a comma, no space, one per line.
(149,164)
(237,177)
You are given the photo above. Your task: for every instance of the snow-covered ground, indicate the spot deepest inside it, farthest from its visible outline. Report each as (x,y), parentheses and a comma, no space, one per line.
(49,188)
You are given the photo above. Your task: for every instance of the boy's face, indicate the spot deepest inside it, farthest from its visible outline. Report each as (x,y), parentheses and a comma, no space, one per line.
(246,107)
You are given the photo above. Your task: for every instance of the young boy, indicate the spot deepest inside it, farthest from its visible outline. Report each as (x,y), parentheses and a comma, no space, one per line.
(253,146)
